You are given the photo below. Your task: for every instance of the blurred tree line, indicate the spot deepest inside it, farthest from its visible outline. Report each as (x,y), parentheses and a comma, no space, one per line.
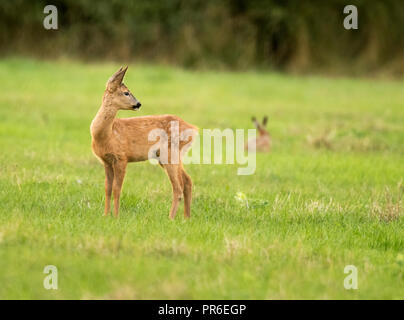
(291,35)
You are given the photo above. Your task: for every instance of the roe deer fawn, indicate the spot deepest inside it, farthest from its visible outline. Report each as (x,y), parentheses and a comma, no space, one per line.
(263,141)
(115,142)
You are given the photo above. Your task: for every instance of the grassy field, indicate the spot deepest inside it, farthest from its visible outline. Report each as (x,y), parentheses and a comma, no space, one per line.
(328,195)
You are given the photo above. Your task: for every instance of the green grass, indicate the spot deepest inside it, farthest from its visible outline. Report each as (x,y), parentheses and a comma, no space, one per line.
(328,195)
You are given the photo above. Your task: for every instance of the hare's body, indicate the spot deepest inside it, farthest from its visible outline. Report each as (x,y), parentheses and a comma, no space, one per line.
(263,142)
(116,142)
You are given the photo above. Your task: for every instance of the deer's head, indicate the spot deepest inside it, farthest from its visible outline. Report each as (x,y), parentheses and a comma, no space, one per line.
(118,95)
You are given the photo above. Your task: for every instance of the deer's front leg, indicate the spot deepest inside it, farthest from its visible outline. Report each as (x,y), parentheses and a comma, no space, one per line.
(109,179)
(119,174)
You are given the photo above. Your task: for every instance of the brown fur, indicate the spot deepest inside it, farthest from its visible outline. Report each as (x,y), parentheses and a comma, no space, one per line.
(263,141)
(116,142)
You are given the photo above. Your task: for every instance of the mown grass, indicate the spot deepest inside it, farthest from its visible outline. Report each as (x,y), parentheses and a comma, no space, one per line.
(314,206)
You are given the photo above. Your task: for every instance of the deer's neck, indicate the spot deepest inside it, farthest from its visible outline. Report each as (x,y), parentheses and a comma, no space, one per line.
(101,127)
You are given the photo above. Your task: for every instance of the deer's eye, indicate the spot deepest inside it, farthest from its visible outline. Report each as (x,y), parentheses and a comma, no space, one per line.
(126,93)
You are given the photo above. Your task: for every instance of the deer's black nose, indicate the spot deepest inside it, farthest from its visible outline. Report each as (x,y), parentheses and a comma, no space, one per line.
(138,105)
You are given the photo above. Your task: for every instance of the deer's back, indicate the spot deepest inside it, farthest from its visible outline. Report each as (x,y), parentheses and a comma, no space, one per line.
(131,135)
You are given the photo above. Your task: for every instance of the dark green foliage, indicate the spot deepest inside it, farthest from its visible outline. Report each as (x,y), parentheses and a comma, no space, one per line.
(289,35)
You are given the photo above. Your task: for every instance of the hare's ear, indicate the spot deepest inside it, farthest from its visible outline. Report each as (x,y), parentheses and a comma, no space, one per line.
(256,124)
(264,121)
(116,79)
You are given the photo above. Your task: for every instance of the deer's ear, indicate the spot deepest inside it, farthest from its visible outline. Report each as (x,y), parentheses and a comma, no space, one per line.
(116,79)
(264,121)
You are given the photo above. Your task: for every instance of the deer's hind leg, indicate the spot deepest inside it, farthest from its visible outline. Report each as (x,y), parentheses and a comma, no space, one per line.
(187,182)
(174,173)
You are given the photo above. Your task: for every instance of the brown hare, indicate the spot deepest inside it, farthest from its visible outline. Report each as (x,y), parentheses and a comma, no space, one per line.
(263,140)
